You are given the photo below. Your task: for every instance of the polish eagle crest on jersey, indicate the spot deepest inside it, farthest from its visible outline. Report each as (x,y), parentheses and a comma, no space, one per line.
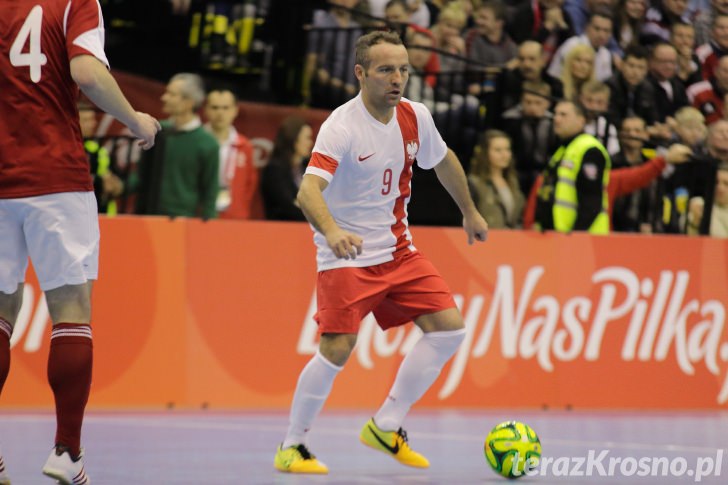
(412,148)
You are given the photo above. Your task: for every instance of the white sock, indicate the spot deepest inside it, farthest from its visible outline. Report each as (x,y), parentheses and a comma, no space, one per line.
(314,386)
(418,371)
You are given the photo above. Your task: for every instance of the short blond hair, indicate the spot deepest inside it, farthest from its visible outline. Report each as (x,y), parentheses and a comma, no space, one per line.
(689,115)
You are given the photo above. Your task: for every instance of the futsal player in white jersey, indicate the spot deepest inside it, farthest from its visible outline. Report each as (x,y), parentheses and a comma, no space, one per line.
(355,194)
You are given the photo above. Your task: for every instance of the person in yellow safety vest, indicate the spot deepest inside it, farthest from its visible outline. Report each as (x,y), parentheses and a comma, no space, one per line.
(107,185)
(573,196)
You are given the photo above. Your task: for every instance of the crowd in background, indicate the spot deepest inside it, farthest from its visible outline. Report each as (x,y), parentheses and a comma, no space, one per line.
(649,74)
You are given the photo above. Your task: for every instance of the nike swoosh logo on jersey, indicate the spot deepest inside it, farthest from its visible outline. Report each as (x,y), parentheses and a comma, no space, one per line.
(392,449)
(361,159)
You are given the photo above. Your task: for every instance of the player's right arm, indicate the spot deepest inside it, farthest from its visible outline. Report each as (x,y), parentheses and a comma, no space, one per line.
(101,88)
(343,243)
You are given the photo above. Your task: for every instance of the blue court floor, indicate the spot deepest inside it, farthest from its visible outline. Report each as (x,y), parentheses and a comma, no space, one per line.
(237,448)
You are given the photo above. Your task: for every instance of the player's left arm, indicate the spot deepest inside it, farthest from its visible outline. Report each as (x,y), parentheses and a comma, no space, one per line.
(452,176)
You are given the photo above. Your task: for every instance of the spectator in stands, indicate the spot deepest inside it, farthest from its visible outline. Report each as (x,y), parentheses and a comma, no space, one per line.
(544,21)
(573,195)
(448,36)
(594,97)
(596,35)
(690,129)
(699,177)
(630,93)
(107,184)
(630,15)
(328,73)
(421,84)
(578,69)
(397,15)
(179,176)
(494,183)
(660,18)
(419,13)
(488,44)
(708,96)
(530,67)
(622,181)
(238,176)
(639,211)
(704,20)
(717,47)
(284,171)
(682,36)
(669,90)
(529,125)
(580,10)
(718,225)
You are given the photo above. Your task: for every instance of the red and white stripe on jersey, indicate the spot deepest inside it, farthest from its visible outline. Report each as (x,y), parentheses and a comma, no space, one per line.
(71,330)
(368,165)
(80,39)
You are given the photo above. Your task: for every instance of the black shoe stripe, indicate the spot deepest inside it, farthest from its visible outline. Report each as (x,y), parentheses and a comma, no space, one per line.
(392,449)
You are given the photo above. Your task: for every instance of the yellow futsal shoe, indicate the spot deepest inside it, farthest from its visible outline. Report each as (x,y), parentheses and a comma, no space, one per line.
(297,459)
(393,443)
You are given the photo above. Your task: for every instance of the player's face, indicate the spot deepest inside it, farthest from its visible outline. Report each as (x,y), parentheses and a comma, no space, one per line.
(383,82)
(304,142)
(221,109)
(499,153)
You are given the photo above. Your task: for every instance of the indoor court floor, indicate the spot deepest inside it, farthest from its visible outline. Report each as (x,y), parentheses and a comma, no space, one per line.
(209,447)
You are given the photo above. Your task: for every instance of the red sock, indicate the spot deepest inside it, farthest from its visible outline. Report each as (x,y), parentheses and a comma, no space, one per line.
(5,331)
(69,374)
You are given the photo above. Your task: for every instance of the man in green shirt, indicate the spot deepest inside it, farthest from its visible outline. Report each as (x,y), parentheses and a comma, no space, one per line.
(179,177)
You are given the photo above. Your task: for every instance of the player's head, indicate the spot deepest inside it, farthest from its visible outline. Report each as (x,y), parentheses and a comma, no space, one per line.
(184,94)
(221,108)
(382,68)
(569,119)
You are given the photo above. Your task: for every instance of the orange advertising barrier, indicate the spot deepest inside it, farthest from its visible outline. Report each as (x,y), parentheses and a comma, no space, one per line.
(219,314)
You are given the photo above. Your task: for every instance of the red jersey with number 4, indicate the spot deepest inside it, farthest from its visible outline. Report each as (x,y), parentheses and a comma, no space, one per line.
(41,150)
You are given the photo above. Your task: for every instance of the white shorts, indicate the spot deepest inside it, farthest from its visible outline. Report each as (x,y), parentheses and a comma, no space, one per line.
(60,233)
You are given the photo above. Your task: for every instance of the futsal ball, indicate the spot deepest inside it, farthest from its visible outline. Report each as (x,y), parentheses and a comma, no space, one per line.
(512,449)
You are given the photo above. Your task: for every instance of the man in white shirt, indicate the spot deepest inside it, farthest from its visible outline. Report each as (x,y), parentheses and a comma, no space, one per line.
(597,34)
(355,194)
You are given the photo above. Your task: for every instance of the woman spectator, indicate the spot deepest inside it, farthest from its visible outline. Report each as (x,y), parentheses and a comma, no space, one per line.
(282,176)
(494,183)
(628,22)
(578,69)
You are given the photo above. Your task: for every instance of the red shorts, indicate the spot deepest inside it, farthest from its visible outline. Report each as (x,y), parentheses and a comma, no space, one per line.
(396,291)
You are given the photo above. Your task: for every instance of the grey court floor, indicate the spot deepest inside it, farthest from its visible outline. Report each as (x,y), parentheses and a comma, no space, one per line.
(237,448)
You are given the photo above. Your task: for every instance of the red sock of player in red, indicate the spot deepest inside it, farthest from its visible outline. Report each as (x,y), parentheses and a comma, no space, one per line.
(5,331)
(69,374)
